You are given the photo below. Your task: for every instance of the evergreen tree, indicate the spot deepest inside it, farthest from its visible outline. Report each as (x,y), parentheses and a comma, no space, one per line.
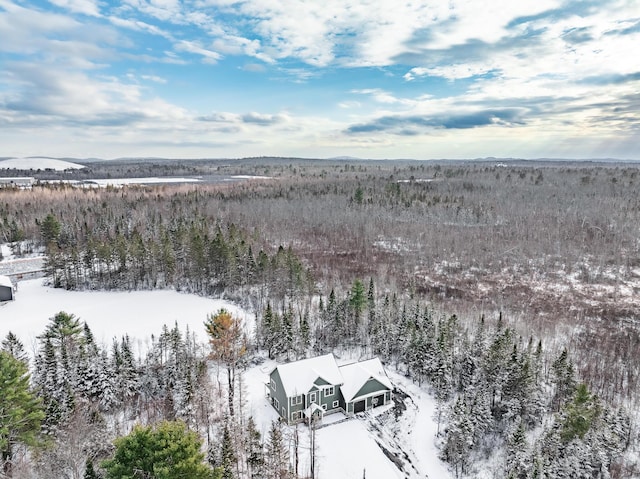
(20,410)
(305,331)
(518,460)
(563,379)
(271,331)
(228,458)
(277,454)
(357,300)
(166,451)
(458,441)
(89,471)
(50,230)
(12,345)
(254,451)
(580,414)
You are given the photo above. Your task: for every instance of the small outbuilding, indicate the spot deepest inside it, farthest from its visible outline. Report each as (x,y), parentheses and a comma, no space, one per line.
(17,182)
(7,291)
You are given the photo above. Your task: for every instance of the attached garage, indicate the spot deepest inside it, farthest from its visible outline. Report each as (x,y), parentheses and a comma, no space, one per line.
(6,289)
(378,401)
(366,386)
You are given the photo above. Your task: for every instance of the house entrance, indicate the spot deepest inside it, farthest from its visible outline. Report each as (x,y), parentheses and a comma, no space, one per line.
(378,400)
(359,406)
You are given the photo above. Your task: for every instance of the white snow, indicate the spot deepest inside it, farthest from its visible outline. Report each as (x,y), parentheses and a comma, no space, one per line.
(37,163)
(103,183)
(7,252)
(299,376)
(357,374)
(345,449)
(109,314)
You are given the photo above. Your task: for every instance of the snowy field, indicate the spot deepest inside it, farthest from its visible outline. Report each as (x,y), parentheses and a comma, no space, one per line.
(351,449)
(109,314)
(39,163)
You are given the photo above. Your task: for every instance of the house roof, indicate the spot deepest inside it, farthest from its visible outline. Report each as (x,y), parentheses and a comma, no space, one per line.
(5,281)
(357,374)
(298,377)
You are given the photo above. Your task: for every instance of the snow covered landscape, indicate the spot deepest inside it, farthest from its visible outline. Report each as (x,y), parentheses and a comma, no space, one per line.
(344,450)
(498,331)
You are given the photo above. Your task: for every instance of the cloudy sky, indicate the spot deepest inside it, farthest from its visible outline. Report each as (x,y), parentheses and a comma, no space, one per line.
(320,78)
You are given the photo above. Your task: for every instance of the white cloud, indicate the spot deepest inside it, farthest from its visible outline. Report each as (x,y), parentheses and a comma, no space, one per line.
(85,7)
(209,56)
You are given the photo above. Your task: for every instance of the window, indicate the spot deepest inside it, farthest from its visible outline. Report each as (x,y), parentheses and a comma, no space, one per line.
(375,401)
(296,416)
(276,404)
(336,404)
(273,384)
(312,397)
(295,400)
(330,391)
(324,407)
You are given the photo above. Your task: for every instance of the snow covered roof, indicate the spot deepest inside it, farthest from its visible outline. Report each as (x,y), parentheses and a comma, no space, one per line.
(298,377)
(357,374)
(5,281)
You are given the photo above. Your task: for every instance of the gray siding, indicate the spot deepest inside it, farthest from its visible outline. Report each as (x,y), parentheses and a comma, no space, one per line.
(370,387)
(277,393)
(6,293)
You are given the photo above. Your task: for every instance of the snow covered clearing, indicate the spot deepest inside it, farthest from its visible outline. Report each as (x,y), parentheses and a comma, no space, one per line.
(37,163)
(119,182)
(387,443)
(109,314)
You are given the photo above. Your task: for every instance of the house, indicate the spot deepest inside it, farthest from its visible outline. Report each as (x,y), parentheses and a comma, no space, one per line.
(6,289)
(310,388)
(18,181)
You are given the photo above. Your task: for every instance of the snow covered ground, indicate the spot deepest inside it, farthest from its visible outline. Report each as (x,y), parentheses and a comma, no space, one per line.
(395,442)
(38,163)
(109,314)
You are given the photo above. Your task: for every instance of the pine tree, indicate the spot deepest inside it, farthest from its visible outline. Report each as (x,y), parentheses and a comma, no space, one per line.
(228,458)
(458,441)
(563,379)
(89,471)
(305,331)
(254,450)
(277,454)
(580,414)
(271,331)
(20,410)
(12,345)
(357,300)
(518,460)
(167,451)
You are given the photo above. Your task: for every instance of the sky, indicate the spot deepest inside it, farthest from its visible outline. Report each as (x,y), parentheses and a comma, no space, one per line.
(319,79)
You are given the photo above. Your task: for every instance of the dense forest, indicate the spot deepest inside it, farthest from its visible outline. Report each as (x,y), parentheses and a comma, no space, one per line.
(506,289)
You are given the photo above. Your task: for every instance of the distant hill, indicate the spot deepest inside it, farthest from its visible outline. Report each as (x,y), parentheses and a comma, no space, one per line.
(38,163)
